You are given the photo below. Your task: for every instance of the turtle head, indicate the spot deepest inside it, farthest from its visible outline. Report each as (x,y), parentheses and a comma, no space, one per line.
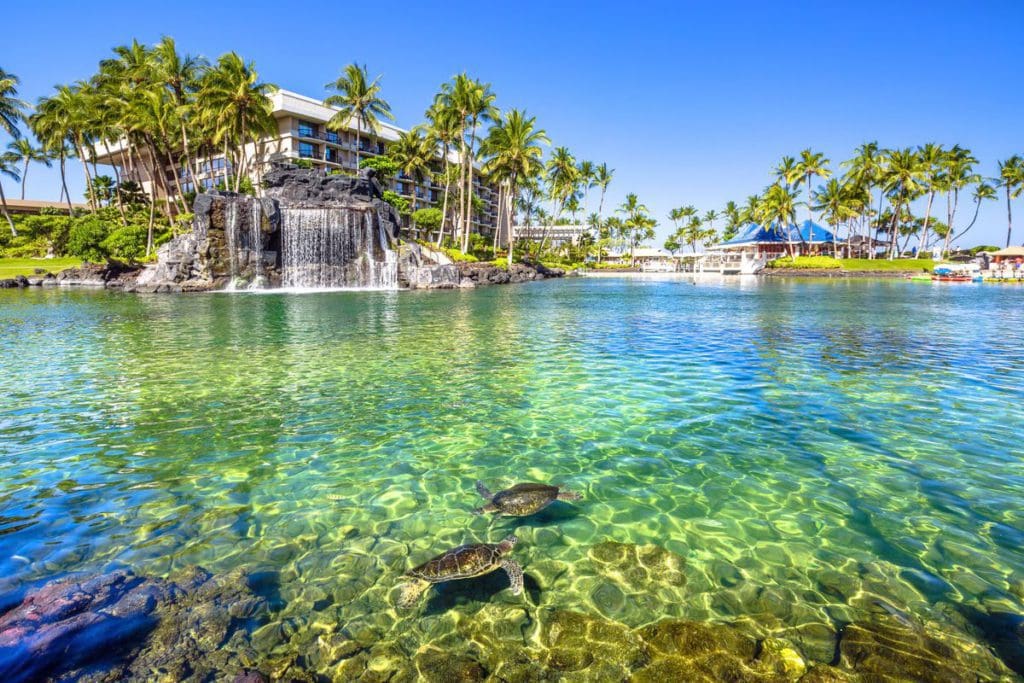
(507,543)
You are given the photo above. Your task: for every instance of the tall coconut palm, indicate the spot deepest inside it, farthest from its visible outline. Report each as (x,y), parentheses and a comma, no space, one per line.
(902,179)
(933,165)
(563,178)
(836,204)
(732,215)
(982,191)
(27,152)
(777,208)
(240,106)
(51,127)
(1011,179)
(358,99)
(9,168)
(810,165)
(586,174)
(638,225)
(445,127)
(12,110)
(513,152)
(865,170)
(602,179)
(414,152)
(957,173)
(473,100)
(181,75)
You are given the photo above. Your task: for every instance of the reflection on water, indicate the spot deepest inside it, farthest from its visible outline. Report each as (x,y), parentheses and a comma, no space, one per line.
(791,455)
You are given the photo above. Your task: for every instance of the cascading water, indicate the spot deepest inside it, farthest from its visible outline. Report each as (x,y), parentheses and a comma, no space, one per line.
(335,248)
(243,235)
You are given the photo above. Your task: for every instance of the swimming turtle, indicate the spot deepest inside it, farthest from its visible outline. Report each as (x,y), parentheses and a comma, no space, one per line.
(522,499)
(464,562)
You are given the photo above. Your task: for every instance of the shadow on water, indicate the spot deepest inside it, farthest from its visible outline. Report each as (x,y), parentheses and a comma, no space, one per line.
(266,583)
(448,595)
(555,513)
(1003,631)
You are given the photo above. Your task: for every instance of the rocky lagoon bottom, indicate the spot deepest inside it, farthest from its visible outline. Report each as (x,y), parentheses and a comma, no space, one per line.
(782,480)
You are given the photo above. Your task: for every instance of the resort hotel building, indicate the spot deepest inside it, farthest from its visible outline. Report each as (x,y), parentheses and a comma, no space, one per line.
(302,134)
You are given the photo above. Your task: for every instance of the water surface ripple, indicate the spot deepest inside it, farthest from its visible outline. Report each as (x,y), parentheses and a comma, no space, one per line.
(808,448)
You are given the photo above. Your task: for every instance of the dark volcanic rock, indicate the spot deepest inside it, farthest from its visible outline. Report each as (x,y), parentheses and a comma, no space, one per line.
(112,274)
(121,626)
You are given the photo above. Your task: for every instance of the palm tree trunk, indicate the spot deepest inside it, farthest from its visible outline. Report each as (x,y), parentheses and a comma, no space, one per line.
(469,192)
(7,214)
(88,180)
(64,183)
(24,176)
(188,157)
(457,233)
(149,232)
(924,230)
(1009,217)
(510,217)
(227,176)
(444,203)
(117,185)
(359,131)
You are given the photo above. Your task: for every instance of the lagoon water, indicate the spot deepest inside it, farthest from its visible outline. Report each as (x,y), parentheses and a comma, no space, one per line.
(804,454)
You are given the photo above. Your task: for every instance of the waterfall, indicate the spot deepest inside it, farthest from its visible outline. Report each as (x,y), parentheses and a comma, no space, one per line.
(335,248)
(243,217)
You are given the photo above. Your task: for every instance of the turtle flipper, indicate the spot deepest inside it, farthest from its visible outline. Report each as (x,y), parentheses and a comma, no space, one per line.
(483,490)
(411,593)
(569,495)
(515,575)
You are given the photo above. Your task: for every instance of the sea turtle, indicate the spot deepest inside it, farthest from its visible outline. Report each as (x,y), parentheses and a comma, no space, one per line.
(464,562)
(522,499)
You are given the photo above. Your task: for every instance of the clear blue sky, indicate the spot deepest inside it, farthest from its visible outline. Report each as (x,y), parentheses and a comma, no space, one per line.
(691,103)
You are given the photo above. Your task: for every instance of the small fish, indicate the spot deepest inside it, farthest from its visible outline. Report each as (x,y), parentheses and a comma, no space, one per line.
(898,615)
(21,558)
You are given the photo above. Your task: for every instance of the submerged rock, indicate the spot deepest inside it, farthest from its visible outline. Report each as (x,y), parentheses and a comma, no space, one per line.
(120,626)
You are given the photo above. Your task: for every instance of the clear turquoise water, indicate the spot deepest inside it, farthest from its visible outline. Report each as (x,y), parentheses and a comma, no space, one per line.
(801,448)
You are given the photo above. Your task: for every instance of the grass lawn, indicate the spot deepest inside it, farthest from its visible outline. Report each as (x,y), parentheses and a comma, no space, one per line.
(904,264)
(853,264)
(13,267)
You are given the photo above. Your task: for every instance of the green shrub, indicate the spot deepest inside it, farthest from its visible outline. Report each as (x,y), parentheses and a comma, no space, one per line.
(384,165)
(806,263)
(303,163)
(126,242)
(86,238)
(396,200)
(428,219)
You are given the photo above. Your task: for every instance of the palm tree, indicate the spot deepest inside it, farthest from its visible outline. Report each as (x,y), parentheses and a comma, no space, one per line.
(24,150)
(239,104)
(602,179)
(9,168)
(586,175)
(811,164)
(445,127)
(933,163)
(473,101)
(50,125)
(181,75)
(563,178)
(957,173)
(836,204)
(637,224)
(358,98)
(902,179)
(732,220)
(1011,178)
(12,110)
(982,191)
(710,216)
(865,171)
(513,150)
(777,208)
(414,152)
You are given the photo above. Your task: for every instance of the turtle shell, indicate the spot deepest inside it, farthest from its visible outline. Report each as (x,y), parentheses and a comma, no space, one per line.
(463,562)
(525,499)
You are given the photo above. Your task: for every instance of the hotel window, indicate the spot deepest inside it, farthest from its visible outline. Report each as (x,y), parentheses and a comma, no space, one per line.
(307,129)
(330,155)
(307,151)
(331,137)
